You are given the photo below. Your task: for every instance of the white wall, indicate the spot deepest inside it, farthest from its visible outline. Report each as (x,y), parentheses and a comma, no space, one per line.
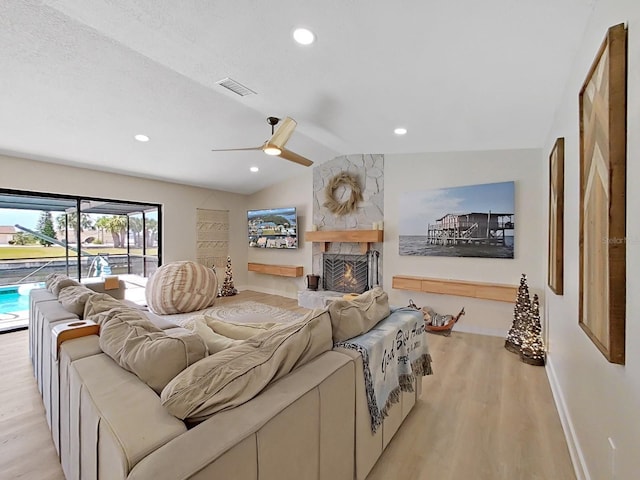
(424,171)
(295,192)
(179,202)
(597,399)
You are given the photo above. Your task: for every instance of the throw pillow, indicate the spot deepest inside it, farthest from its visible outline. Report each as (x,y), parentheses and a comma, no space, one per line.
(215,342)
(143,349)
(99,303)
(181,287)
(237,374)
(238,331)
(61,281)
(74,298)
(350,318)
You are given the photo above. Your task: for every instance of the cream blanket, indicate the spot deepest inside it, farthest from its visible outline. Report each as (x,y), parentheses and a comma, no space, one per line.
(394,352)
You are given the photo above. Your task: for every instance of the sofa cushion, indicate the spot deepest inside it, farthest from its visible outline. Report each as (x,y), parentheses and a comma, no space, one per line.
(139,346)
(235,375)
(350,318)
(74,298)
(181,287)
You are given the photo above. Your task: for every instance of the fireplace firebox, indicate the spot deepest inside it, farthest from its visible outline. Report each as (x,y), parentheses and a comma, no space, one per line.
(349,273)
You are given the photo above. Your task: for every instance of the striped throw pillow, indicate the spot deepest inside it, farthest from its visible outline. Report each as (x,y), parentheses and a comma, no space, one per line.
(181,287)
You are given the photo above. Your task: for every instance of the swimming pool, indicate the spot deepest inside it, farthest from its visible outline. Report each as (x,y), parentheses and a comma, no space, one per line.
(14,298)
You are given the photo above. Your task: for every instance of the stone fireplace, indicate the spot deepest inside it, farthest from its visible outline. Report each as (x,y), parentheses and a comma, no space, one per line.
(348,244)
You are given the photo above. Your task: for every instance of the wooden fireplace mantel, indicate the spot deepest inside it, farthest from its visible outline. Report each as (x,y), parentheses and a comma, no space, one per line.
(364,237)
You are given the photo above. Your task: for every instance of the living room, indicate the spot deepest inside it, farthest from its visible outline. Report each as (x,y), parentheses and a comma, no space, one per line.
(596,400)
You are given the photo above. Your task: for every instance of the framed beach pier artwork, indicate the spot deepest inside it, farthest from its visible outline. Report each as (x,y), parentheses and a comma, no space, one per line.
(467,221)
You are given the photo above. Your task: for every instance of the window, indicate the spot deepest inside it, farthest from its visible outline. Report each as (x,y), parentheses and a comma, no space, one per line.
(41,233)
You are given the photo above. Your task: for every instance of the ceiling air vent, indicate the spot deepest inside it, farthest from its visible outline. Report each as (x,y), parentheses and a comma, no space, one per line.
(235,87)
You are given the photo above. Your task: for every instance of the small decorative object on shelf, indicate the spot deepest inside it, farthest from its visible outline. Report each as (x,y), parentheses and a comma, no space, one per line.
(532,349)
(521,319)
(228,290)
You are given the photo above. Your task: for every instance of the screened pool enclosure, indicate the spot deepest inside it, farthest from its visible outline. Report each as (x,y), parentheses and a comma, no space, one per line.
(79,236)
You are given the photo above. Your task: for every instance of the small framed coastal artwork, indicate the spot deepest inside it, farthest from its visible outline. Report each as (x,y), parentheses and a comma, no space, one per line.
(603,156)
(556,220)
(468,221)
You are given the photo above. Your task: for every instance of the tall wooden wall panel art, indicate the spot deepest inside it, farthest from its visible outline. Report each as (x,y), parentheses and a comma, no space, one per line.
(212,237)
(556,218)
(602,197)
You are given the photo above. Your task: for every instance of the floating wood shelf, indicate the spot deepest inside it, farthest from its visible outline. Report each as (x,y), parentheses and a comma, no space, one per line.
(364,237)
(280,270)
(462,288)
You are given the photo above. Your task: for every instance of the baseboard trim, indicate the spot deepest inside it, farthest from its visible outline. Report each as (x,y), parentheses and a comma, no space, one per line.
(577,457)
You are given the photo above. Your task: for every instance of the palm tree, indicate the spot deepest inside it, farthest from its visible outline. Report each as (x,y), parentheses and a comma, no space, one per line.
(135,225)
(85,221)
(117,225)
(151,231)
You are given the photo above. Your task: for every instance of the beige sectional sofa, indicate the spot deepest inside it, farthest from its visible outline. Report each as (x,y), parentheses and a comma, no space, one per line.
(106,423)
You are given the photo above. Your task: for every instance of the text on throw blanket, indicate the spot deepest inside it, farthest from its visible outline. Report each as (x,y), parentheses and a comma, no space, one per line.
(405,342)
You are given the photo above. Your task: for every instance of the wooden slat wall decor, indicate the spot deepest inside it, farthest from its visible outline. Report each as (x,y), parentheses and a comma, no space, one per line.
(212,237)
(555,267)
(603,156)
(461,288)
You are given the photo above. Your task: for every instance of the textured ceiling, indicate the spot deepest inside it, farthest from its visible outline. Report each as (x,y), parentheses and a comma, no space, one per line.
(81,77)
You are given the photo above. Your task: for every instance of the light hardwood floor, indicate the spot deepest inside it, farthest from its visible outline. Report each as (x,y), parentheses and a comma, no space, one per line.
(484,415)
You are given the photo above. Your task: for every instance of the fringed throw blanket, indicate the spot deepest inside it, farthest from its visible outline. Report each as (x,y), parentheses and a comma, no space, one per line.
(393,352)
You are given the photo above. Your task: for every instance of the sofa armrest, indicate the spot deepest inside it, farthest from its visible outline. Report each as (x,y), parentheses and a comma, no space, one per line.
(230,441)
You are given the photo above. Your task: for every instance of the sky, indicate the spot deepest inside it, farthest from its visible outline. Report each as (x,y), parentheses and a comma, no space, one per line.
(26,218)
(419,209)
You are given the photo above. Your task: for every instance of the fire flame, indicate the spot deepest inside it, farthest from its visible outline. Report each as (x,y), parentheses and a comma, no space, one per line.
(348,279)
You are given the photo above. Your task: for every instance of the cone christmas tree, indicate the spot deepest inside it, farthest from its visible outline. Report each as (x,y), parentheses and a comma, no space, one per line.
(532,348)
(521,311)
(228,290)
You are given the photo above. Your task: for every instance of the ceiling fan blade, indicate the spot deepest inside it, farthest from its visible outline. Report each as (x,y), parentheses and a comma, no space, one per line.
(236,149)
(294,157)
(283,133)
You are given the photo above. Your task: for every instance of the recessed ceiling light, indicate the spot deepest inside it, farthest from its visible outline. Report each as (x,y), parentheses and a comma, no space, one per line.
(304,36)
(254,169)
(400,131)
(141,138)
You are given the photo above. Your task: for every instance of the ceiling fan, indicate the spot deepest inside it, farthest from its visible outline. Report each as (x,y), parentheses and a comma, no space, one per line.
(275,144)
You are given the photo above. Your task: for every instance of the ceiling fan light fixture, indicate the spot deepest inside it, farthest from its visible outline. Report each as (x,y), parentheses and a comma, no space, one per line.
(400,131)
(272,150)
(304,36)
(141,138)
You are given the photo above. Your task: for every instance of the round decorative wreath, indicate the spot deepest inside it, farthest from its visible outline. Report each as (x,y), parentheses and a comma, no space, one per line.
(347,180)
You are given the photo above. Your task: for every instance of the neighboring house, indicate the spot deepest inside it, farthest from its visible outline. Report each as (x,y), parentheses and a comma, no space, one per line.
(6,234)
